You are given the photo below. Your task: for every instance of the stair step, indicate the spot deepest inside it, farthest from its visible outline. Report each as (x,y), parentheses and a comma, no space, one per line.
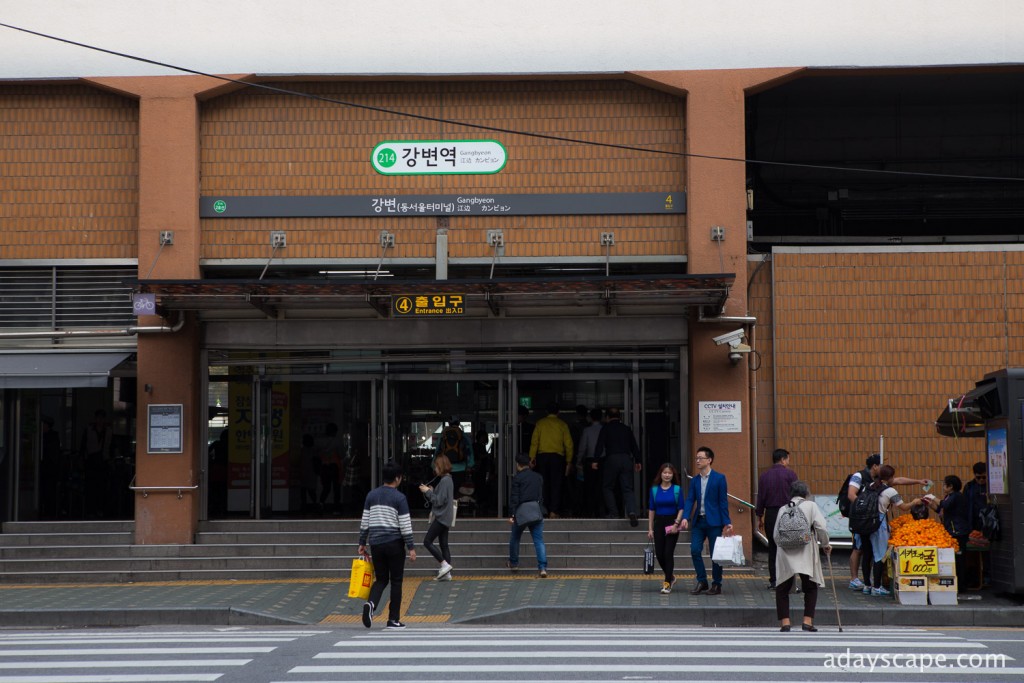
(44,552)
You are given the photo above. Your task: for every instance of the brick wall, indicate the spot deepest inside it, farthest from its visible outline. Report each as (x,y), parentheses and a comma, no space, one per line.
(260,143)
(875,342)
(68,173)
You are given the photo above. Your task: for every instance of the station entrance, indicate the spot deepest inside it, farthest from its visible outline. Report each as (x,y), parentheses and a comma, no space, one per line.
(307,437)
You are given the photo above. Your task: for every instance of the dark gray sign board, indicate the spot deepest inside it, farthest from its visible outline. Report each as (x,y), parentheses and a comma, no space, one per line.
(602,203)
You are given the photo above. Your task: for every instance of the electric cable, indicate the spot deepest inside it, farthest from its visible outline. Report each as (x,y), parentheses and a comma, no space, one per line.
(498,129)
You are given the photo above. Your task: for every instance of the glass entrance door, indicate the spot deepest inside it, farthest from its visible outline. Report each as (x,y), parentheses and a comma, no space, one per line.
(418,409)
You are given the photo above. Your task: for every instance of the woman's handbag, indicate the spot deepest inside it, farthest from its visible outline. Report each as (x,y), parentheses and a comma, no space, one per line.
(360,579)
(729,551)
(649,559)
(529,512)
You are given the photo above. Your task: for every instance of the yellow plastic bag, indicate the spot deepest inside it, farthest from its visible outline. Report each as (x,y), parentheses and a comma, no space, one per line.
(360,579)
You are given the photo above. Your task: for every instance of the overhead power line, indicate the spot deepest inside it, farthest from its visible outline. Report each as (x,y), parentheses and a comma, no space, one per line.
(497,129)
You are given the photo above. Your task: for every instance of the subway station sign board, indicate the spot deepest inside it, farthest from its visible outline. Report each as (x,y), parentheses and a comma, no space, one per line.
(438,157)
(432,305)
(593,203)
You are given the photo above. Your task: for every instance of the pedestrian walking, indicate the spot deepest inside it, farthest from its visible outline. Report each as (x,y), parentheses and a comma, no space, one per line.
(803,561)
(526,501)
(772,493)
(620,457)
(706,512)
(387,528)
(664,517)
(551,449)
(440,497)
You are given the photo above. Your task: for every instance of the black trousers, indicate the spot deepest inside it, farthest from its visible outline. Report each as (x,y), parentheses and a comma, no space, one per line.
(770,515)
(388,568)
(551,466)
(782,596)
(617,471)
(665,546)
(439,532)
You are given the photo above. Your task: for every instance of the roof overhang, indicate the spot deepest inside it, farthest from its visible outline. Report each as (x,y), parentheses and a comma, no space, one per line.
(56,370)
(280,299)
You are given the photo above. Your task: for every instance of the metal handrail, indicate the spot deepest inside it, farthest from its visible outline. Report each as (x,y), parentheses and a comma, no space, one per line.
(146,489)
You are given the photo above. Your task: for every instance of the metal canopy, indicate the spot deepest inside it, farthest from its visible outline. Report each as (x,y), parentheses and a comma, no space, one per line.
(965,415)
(339,299)
(57,370)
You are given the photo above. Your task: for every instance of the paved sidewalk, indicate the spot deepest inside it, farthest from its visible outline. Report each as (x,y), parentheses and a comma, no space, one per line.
(496,599)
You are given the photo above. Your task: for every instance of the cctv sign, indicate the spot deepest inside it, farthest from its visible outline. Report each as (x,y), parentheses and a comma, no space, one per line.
(715,417)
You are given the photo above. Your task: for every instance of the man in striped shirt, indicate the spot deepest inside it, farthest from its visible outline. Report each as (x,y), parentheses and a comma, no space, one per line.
(387,528)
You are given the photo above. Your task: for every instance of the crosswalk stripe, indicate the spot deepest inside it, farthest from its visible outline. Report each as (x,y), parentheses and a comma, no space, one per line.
(106,678)
(572,654)
(797,640)
(124,664)
(451,671)
(131,640)
(111,651)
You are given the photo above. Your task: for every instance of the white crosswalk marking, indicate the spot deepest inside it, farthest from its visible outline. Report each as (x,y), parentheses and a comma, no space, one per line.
(134,656)
(545,655)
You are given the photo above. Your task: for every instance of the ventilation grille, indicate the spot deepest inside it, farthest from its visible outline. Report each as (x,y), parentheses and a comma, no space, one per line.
(59,298)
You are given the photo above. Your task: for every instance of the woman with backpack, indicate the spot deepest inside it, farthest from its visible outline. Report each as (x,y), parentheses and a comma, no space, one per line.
(887,497)
(795,557)
(664,515)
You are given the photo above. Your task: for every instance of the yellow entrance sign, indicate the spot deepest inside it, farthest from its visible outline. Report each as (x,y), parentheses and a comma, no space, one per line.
(429,305)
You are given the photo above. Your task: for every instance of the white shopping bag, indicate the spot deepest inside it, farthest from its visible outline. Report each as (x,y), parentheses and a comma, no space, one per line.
(729,551)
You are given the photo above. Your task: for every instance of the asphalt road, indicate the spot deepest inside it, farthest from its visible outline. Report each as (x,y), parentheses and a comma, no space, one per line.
(427,653)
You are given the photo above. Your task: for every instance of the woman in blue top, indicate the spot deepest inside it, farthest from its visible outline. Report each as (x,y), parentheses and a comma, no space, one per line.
(664,514)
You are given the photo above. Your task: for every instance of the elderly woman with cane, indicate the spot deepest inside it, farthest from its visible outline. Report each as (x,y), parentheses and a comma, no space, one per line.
(802,559)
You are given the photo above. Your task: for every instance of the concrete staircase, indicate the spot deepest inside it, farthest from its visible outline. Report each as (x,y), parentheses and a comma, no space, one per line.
(91,552)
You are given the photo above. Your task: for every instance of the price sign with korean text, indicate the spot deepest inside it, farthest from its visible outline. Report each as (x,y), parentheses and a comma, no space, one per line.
(917,559)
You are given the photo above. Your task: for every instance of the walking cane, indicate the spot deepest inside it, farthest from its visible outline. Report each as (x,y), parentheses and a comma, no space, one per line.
(835,598)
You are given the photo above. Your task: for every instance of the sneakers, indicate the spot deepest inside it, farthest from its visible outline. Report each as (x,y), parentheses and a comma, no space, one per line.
(866,590)
(368,614)
(632,519)
(856,585)
(445,569)
(395,625)
(511,567)
(446,577)
(666,588)
(881,592)
(543,573)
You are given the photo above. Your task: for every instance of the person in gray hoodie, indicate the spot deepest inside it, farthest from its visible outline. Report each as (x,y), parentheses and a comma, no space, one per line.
(442,515)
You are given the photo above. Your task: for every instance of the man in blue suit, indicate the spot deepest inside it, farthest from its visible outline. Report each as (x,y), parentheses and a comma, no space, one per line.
(706,513)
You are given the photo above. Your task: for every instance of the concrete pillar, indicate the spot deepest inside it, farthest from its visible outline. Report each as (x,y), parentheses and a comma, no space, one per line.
(169,369)
(716,196)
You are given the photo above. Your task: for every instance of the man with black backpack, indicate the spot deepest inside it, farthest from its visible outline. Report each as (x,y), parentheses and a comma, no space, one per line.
(861,553)
(871,510)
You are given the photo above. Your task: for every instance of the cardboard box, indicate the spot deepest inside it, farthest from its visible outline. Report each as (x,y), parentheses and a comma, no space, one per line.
(911,590)
(942,590)
(947,562)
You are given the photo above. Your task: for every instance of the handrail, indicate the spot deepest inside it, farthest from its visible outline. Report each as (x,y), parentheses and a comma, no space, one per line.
(146,489)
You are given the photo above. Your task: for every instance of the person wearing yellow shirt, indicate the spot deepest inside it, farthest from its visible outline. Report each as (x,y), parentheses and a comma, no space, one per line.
(551,453)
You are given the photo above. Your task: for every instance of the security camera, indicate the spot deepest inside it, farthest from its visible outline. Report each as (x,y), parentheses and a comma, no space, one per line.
(731,338)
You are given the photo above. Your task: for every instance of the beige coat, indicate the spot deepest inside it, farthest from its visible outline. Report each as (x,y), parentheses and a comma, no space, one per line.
(805,559)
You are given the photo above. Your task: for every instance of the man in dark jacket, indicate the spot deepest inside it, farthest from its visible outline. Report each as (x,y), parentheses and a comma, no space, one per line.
(527,487)
(620,456)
